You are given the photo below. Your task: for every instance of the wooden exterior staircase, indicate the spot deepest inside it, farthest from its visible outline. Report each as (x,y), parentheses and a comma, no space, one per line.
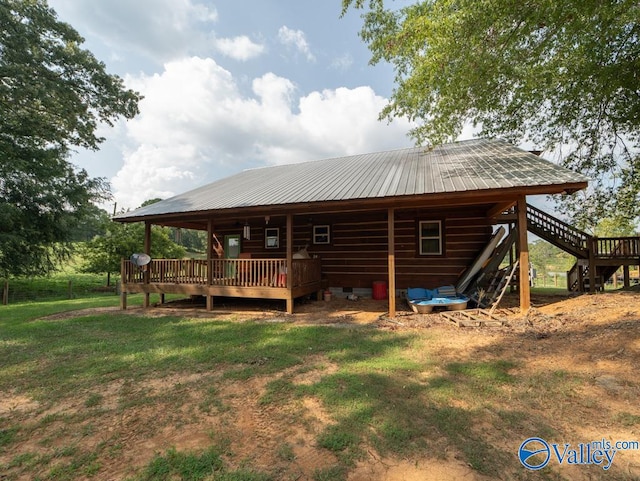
(598,258)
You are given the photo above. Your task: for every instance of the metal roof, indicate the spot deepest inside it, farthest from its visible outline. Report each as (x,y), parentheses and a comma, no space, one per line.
(471,165)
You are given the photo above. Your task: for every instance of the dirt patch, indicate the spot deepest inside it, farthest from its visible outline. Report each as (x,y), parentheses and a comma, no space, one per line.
(596,337)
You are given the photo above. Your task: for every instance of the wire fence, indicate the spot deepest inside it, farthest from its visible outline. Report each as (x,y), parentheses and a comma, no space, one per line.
(558,280)
(56,288)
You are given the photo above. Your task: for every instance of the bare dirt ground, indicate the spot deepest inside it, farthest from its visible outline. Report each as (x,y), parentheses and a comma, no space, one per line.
(596,336)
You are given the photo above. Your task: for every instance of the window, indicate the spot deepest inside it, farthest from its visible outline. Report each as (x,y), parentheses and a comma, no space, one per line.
(271,237)
(430,237)
(321,234)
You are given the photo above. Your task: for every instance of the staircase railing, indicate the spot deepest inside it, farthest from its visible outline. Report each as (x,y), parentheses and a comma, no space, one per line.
(556,231)
(605,251)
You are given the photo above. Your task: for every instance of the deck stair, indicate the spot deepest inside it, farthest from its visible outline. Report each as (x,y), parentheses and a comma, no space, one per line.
(558,233)
(604,255)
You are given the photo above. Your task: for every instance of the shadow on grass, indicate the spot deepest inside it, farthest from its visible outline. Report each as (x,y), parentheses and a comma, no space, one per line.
(389,390)
(49,359)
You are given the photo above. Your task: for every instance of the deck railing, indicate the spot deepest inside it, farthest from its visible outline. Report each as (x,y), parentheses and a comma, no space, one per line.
(223,272)
(545,224)
(616,247)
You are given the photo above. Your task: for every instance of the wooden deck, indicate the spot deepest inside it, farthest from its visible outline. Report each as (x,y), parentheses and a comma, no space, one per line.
(250,278)
(597,258)
(605,255)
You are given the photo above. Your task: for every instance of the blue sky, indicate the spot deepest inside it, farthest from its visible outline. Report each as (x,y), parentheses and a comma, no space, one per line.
(231,85)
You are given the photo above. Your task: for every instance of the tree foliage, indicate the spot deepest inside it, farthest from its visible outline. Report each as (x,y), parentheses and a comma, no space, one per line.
(53,95)
(564,76)
(192,240)
(102,255)
(614,227)
(545,258)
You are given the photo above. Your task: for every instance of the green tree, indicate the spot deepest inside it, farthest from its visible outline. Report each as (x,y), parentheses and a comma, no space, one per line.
(91,224)
(102,255)
(562,75)
(53,95)
(546,257)
(192,240)
(614,227)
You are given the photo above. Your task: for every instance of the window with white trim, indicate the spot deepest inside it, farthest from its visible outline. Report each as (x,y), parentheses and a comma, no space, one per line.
(430,237)
(272,237)
(321,234)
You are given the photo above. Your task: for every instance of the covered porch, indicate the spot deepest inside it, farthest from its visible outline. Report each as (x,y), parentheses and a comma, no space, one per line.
(252,278)
(283,278)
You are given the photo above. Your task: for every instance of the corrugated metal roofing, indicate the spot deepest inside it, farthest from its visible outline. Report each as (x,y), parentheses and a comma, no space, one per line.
(472,165)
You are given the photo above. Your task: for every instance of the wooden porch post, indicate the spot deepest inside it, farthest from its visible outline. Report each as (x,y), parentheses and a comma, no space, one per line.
(592,264)
(123,291)
(627,277)
(580,277)
(290,263)
(523,249)
(392,261)
(209,262)
(147,250)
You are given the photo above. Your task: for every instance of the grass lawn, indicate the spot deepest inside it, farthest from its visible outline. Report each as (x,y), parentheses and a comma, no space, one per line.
(121,396)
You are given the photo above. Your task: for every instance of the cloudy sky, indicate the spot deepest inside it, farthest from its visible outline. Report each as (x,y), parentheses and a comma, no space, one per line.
(230,85)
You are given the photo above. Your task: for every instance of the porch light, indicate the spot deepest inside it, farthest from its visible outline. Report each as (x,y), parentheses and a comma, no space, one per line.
(246,231)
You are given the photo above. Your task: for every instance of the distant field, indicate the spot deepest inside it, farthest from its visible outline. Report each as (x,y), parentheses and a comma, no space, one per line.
(60,286)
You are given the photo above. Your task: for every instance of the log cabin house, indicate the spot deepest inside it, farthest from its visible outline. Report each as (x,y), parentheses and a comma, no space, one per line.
(409,217)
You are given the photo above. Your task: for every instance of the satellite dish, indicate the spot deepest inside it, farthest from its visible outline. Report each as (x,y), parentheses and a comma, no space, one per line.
(140,259)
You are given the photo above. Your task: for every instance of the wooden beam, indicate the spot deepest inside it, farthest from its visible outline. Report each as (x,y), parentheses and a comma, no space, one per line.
(123,291)
(392,262)
(147,250)
(627,277)
(147,238)
(209,298)
(499,208)
(290,263)
(523,249)
(592,264)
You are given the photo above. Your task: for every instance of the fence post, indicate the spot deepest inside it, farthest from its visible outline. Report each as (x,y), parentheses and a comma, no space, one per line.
(5,293)
(70,289)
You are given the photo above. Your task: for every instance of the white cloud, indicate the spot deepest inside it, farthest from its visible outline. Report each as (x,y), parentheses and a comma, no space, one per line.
(162,29)
(196,126)
(296,39)
(343,62)
(239,48)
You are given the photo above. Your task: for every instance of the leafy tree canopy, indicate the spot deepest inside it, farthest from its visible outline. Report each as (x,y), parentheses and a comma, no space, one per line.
(53,95)
(102,255)
(614,227)
(546,257)
(563,75)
